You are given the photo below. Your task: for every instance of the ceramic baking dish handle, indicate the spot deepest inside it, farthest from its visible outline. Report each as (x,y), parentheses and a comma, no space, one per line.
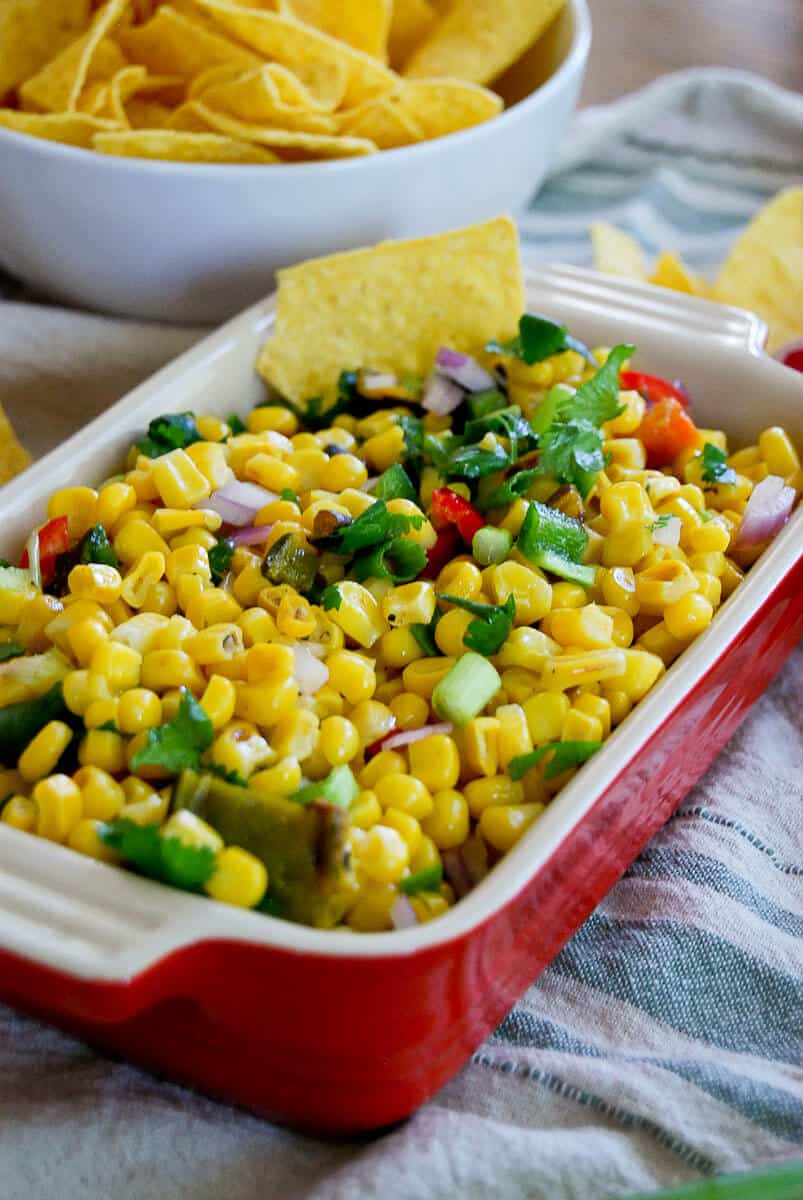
(591,292)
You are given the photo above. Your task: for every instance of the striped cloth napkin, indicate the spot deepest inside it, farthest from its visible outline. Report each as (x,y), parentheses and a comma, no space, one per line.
(665,1042)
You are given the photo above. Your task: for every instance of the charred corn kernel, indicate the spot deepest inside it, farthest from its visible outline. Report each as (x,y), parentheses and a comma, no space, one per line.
(448,823)
(410,711)
(42,753)
(435,762)
(519,684)
(405,825)
(295,734)
(384,449)
(460,578)
(633,407)
(86,839)
(192,831)
(187,560)
(778,452)
(241,749)
(179,481)
(386,762)
(359,615)
(503,825)
(103,748)
(451,630)
(371,911)
(426,854)
(135,539)
(295,618)
(580,726)
(84,638)
(383,855)
(58,807)
(532,593)
(730,578)
(150,809)
(339,740)
(620,705)
(411,603)
(343,471)
(712,562)
(568,595)
(113,502)
(663,584)
(95,581)
(422,677)
(479,745)
(688,616)
(20,813)
(273,418)
(100,713)
(240,878)
(138,709)
(399,647)
(282,779)
(118,664)
(597,707)
(248,585)
(34,618)
(618,586)
(528,648)
(164,669)
(78,505)
(215,644)
(514,734)
(353,675)
(710,537)
(405,793)
(578,670)
(486,793)
(641,671)
(658,640)
(75,688)
(257,626)
(588,627)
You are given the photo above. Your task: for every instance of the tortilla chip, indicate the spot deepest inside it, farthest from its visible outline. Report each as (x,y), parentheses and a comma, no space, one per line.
(384,121)
(443,106)
(13,457)
(180,147)
(73,129)
(175,44)
(143,113)
(256,99)
(413,20)
(58,86)
(476,40)
(616,252)
(295,45)
(392,306)
(670,272)
(32,32)
(292,145)
(764,270)
(363,24)
(133,81)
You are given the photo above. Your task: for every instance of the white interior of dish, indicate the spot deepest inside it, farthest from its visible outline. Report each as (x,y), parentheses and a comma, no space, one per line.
(96,921)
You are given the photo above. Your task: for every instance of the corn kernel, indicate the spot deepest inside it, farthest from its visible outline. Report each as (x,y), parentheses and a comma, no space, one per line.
(179,481)
(103,748)
(479,746)
(135,539)
(386,762)
(84,638)
(689,615)
(545,713)
(240,878)
(383,855)
(597,707)
(410,603)
(371,911)
(241,749)
(20,813)
(164,669)
(406,793)
(448,823)
(101,712)
(149,809)
(352,675)
(78,505)
(778,452)
(532,593)
(359,615)
(405,825)
(339,740)
(113,502)
(42,753)
(528,648)
(58,807)
(101,795)
(503,825)
(120,665)
(580,726)
(422,677)
(588,627)
(86,839)
(496,790)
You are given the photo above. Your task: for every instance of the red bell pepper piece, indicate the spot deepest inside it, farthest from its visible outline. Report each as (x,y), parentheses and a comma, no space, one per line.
(54,539)
(442,552)
(652,387)
(666,430)
(448,508)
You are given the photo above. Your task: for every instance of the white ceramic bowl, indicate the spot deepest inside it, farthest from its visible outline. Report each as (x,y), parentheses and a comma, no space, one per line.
(196,243)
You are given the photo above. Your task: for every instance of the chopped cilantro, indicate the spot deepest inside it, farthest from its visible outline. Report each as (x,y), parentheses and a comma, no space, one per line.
(425,634)
(314,416)
(376,526)
(456,461)
(167,859)
(491,629)
(563,755)
(181,742)
(171,432)
(413,431)
(235,425)
(715,465)
(227,776)
(220,557)
(540,338)
(331,598)
(10,650)
(512,489)
(395,484)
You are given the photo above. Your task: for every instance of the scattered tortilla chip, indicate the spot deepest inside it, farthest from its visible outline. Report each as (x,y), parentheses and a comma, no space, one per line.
(13,457)
(180,147)
(174,44)
(293,146)
(392,306)
(670,272)
(616,252)
(363,24)
(764,270)
(287,41)
(32,32)
(413,20)
(57,87)
(384,121)
(256,99)
(476,40)
(73,129)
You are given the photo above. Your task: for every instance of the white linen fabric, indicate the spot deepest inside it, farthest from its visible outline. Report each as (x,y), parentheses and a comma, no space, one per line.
(665,1042)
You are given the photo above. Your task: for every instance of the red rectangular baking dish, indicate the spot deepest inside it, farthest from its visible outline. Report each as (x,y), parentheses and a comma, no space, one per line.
(340,1032)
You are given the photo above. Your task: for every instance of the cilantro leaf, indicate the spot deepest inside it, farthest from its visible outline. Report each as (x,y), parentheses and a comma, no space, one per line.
(10,650)
(540,337)
(167,859)
(331,598)
(425,635)
(513,488)
(227,776)
(374,527)
(507,422)
(469,462)
(399,560)
(173,431)
(181,742)
(488,633)
(314,416)
(597,400)
(715,465)
(413,431)
(220,557)
(563,755)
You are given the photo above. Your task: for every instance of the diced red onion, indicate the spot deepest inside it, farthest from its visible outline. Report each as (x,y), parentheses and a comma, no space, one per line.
(669,534)
(463,370)
(456,874)
(766,513)
(409,736)
(403,914)
(441,395)
(373,749)
(311,674)
(791,355)
(251,536)
(376,383)
(238,502)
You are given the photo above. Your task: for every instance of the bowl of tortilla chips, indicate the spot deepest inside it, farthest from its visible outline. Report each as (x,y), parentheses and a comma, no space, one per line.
(163,160)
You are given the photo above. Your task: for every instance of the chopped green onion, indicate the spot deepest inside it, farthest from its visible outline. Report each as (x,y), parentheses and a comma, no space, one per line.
(563,755)
(480,404)
(467,688)
(340,788)
(491,545)
(429,879)
(395,484)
